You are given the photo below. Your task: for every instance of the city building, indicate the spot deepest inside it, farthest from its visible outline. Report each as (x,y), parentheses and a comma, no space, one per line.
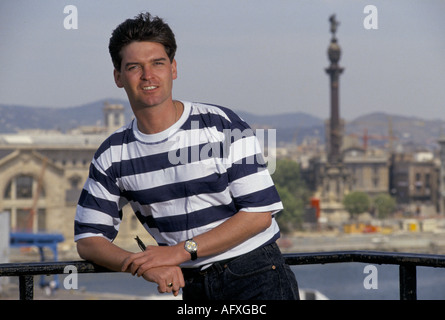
(43,172)
(415,180)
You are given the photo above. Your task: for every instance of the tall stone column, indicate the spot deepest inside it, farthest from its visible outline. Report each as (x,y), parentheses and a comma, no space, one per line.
(336,178)
(334,71)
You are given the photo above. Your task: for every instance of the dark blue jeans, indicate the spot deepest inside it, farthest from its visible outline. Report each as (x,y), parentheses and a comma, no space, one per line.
(258,275)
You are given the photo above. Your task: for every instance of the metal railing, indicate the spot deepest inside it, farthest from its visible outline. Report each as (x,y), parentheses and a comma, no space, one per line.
(407,264)
(407,267)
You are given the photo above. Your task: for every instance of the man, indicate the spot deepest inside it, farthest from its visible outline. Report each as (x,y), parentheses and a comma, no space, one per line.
(198,186)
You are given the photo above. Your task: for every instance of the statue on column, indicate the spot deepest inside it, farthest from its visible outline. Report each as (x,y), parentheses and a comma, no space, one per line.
(334,25)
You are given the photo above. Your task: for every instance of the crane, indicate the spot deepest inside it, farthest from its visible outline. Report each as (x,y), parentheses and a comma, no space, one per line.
(33,209)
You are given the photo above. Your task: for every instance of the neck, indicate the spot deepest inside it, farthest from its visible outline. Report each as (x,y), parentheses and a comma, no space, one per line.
(158,118)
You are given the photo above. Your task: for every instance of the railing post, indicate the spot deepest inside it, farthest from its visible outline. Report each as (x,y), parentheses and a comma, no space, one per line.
(408,282)
(26,287)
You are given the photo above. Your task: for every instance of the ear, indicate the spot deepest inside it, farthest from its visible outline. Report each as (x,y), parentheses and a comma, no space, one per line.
(117,79)
(174,70)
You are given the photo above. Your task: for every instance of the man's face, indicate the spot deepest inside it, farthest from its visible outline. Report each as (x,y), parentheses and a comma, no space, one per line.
(146,74)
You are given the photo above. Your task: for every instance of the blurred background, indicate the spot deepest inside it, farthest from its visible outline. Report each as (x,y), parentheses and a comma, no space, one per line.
(381,188)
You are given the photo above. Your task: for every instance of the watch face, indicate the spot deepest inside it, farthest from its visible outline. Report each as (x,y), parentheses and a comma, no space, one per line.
(190,246)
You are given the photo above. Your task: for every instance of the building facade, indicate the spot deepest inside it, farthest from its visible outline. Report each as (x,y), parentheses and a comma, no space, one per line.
(415,179)
(42,174)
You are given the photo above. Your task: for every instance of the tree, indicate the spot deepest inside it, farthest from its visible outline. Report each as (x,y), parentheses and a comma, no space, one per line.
(356,202)
(293,193)
(291,216)
(384,204)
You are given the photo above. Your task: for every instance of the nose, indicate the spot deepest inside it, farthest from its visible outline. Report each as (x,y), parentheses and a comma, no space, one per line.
(146,72)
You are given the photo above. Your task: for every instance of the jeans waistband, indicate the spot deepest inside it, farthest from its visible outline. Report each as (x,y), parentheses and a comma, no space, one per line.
(217,266)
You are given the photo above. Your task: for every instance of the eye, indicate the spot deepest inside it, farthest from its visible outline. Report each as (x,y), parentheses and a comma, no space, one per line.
(159,62)
(133,67)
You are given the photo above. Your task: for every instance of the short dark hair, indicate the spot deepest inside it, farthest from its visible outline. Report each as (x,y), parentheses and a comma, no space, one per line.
(143,27)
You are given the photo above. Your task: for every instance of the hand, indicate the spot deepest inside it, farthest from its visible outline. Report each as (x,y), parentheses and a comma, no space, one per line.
(152,257)
(164,276)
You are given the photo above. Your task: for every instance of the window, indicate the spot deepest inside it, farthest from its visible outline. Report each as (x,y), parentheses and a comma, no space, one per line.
(427,180)
(8,190)
(75,182)
(20,187)
(26,222)
(24,187)
(23,222)
(19,197)
(418,182)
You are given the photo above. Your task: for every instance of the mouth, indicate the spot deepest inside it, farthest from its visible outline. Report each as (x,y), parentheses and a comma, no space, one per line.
(149,88)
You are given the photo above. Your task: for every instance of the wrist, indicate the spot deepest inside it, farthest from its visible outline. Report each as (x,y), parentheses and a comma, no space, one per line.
(192,248)
(183,255)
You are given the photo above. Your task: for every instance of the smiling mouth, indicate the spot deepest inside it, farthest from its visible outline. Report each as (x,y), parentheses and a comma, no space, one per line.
(149,88)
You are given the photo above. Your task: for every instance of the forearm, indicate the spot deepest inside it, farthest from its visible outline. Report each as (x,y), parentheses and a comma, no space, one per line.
(108,255)
(232,232)
(239,228)
(102,252)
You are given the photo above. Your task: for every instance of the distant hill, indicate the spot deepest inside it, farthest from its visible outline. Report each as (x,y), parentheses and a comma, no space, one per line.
(291,127)
(285,120)
(14,118)
(407,131)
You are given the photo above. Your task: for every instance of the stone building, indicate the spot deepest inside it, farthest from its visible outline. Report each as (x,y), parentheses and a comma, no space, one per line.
(369,170)
(42,174)
(415,180)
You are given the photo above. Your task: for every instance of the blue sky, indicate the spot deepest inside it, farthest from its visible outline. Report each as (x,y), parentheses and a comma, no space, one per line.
(252,55)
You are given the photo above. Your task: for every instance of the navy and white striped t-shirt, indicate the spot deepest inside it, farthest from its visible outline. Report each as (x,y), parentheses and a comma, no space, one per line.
(181,182)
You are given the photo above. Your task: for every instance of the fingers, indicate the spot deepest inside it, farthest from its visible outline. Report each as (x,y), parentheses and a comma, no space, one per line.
(142,261)
(131,261)
(178,283)
(137,263)
(169,279)
(169,287)
(172,286)
(174,292)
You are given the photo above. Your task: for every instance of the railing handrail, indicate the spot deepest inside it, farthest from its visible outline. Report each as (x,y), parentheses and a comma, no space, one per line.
(48,268)
(377,257)
(407,267)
